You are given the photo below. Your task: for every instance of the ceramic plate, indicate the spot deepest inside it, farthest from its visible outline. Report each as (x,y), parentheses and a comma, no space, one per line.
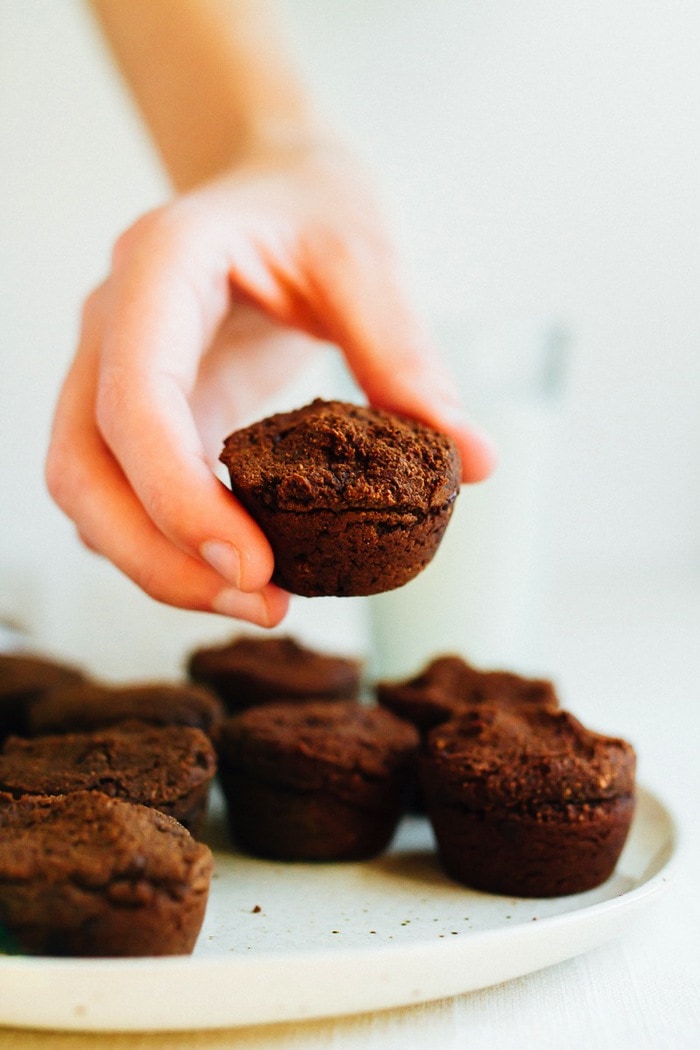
(286,942)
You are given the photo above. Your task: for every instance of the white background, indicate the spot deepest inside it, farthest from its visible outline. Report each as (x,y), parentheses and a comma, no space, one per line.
(539,161)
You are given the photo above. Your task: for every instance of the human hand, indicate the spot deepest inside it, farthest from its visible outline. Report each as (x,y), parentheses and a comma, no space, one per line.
(213,301)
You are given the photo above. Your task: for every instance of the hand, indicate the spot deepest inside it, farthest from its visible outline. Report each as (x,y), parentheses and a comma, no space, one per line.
(213,301)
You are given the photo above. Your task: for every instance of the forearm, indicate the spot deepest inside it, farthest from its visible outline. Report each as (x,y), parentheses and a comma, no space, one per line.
(212,79)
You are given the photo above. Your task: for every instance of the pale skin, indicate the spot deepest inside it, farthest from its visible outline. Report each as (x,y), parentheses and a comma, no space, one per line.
(272,244)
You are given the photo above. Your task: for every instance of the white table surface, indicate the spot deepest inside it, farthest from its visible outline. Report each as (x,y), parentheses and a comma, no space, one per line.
(626,657)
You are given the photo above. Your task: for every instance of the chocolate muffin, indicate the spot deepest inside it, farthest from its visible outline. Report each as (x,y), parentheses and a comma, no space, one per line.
(23,678)
(83,706)
(526,801)
(315,781)
(448,684)
(352,499)
(167,767)
(249,670)
(87,875)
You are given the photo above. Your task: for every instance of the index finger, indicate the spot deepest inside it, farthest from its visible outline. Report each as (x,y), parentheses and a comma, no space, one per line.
(167,298)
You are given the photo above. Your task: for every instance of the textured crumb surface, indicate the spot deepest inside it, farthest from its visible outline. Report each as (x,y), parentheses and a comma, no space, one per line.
(448,684)
(21,673)
(250,670)
(492,756)
(86,705)
(353,500)
(84,874)
(340,747)
(169,768)
(23,678)
(336,455)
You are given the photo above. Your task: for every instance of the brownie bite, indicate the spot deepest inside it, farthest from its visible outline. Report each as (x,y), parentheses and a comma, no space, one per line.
(315,781)
(23,678)
(352,499)
(87,875)
(448,684)
(83,706)
(167,767)
(249,670)
(526,801)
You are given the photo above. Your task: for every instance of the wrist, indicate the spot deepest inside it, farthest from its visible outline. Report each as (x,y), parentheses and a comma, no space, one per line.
(278,138)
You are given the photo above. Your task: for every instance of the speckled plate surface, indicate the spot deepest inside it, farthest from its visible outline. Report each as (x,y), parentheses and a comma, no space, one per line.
(288,942)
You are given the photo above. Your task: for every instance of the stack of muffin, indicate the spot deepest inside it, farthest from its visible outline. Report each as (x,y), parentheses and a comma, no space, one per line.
(104,788)
(103,794)
(523,799)
(308,771)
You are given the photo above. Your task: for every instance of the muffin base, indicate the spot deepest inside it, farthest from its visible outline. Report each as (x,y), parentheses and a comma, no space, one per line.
(353,553)
(557,852)
(279,823)
(155,925)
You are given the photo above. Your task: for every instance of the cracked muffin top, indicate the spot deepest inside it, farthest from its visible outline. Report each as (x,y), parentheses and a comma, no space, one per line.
(492,756)
(148,764)
(342,456)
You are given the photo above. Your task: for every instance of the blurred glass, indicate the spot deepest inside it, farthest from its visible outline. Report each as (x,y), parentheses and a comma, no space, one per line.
(483,594)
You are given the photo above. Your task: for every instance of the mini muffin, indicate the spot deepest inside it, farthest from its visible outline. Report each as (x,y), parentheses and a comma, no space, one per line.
(315,781)
(249,670)
(167,767)
(526,801)
(23,678)
(91,705)
(449,683)
(352,499)
(87,875)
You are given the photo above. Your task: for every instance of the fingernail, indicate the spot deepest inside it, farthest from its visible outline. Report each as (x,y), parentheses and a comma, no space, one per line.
(455,416)
(224,558)
(477,444)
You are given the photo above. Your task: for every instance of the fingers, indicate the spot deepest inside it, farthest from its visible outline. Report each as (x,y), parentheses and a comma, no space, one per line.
(86,481)
(165,303)
(340,282)
(394,359)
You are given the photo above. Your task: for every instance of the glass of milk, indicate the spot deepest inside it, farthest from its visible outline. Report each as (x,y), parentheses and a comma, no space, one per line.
(483,595)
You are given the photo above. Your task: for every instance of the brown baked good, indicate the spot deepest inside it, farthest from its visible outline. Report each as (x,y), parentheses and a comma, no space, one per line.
(526,800)
(352,499)
(315,781)
(23,678)
(84,706)
(448,683)
(88,875)
(167,767)
(250,670)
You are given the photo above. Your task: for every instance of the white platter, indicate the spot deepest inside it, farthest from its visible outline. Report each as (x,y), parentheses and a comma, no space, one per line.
(286,942)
